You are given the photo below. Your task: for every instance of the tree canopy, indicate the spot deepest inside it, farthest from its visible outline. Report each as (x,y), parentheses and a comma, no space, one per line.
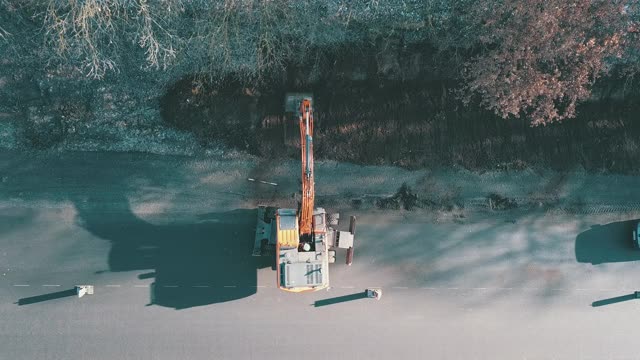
(536,59)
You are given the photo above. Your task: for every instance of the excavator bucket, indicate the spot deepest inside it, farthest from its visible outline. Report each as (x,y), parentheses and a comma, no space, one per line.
(292,101)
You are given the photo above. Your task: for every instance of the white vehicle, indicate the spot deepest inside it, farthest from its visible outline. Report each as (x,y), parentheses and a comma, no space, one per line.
(82,290)
(374,293)
(636,235)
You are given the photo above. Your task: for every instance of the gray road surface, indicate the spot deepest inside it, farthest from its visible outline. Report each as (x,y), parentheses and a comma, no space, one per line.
(166,243)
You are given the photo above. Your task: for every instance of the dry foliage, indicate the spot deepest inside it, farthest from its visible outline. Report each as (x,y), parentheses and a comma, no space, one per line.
(6,10)
(537,58)
(92,31)
(541,57)
(248,39)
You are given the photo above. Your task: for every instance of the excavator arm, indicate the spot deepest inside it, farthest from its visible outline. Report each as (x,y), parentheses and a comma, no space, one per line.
(308,192)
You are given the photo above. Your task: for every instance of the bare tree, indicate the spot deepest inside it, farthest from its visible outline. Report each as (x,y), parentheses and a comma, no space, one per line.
(93,31)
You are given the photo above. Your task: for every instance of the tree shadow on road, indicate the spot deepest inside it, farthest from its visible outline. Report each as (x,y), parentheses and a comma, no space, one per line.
(607,243)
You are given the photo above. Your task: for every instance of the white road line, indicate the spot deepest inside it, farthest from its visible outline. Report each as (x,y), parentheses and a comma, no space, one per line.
(264,182)
(393,287)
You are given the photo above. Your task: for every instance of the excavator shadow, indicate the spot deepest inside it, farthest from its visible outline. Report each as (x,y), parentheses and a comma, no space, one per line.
(212,264)
(200,262)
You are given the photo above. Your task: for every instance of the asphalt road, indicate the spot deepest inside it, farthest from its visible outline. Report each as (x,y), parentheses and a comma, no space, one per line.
(166,242)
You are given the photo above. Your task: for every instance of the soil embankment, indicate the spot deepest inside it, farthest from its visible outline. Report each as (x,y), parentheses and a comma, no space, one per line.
(365,114)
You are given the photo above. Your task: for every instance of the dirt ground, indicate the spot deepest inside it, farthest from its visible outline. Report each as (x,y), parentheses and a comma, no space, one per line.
(411,124)
(445,193)
(414,123)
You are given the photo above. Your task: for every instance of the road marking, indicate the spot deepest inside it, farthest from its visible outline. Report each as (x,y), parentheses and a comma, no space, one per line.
(264,182)
(393,287)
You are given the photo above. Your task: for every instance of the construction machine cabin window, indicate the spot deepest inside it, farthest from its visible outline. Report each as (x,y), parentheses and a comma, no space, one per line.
(287,222)
(318,222)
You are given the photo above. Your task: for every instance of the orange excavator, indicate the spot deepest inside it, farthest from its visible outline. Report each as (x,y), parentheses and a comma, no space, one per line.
(304,239)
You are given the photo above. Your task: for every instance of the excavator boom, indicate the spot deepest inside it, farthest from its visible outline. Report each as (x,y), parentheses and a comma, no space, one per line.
(308,191)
